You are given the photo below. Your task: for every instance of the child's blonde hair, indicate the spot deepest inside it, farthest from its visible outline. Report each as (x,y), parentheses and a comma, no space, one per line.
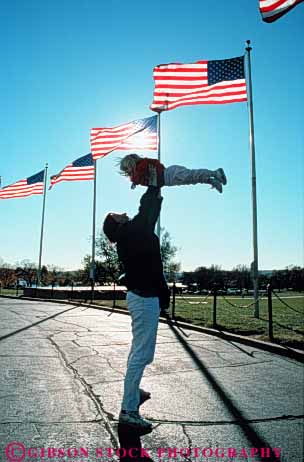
(128,163)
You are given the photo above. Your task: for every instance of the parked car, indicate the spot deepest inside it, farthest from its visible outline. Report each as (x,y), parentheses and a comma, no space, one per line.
(222,292)
(233,291)
(204,292)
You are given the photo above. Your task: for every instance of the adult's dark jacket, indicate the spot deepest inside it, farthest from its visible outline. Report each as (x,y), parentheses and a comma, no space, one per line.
(138,249)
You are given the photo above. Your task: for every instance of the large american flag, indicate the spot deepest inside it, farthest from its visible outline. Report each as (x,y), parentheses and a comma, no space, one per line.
(80,169)
(32,185)
(138,135)
(274,9)
(202,82)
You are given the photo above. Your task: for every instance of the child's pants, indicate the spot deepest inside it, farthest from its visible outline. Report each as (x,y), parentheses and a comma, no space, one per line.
(177,175)
(144,313)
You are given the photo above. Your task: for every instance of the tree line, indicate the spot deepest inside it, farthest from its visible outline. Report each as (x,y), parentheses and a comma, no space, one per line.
(108,270)
(240,277)
(107,267)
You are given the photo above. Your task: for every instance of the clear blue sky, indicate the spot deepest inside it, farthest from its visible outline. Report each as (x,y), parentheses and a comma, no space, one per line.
(68,66)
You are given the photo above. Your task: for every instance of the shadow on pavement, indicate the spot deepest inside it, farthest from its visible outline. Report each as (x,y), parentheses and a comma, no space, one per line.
(252,436)
(130,445)
(36,323)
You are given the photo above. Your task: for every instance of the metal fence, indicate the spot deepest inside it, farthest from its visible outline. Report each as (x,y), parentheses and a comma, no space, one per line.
(213,310)
(221,312)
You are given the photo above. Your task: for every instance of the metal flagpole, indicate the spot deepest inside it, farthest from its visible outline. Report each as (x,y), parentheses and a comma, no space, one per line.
(92,270)
(255,266)
(42,225)
(158,156)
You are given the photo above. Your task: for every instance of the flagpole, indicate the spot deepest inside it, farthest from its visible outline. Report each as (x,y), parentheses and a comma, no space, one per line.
(92,270)
(42,225)
(158,156)
(255,266)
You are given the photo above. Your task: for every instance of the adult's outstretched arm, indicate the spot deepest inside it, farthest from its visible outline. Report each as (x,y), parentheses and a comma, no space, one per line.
(149,209)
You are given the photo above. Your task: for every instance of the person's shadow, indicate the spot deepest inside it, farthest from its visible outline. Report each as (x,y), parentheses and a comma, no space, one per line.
(130,444)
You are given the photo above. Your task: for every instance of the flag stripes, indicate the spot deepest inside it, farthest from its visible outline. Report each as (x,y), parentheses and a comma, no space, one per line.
(23,188)
(274,9)
(140,134)
(81,169)
(203,82)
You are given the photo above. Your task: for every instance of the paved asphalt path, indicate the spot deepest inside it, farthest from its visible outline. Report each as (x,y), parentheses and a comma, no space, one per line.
(61,384)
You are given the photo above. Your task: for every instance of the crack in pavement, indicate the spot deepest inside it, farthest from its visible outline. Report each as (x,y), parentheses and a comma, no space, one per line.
(73,324)
(189,445)
(41,391)
(106,417)
(107,360)
(80,357)
(37,431)
(32,313)
(53,422)
(106,381)
(113,368)
(96,353)
(179,371)
(18,314)
(218,353)
(103,344)
(238,364)
(282,358)
(206,423)
(229,362)
(28,356)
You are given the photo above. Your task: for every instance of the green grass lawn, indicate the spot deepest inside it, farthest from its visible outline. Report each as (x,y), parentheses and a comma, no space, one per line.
(288,326)
(11,292)
(288,323)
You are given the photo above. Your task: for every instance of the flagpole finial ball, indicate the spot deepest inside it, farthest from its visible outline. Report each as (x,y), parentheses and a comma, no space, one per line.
(248,45)
(158,110)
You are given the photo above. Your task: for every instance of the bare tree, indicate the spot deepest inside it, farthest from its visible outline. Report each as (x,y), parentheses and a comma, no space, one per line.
(168,252)
(7,274)
(27,270)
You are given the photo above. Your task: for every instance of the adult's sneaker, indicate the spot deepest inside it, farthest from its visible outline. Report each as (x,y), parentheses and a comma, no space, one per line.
(134,419)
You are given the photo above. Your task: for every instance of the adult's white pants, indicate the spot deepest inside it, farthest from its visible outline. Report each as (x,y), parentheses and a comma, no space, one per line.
(144,313)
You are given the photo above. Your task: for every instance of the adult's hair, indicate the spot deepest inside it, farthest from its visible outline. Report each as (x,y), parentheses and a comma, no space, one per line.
(110,227)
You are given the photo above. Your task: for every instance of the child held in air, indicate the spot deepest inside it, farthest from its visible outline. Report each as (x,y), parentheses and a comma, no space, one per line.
(145,171)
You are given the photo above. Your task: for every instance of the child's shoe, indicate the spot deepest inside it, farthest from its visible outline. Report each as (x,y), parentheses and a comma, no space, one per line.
(220,176)
(216,184)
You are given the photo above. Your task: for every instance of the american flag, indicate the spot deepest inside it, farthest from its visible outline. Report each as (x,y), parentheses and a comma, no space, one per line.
(80,169)
(32,185)
(274,9)
(203,82)
(140,134)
